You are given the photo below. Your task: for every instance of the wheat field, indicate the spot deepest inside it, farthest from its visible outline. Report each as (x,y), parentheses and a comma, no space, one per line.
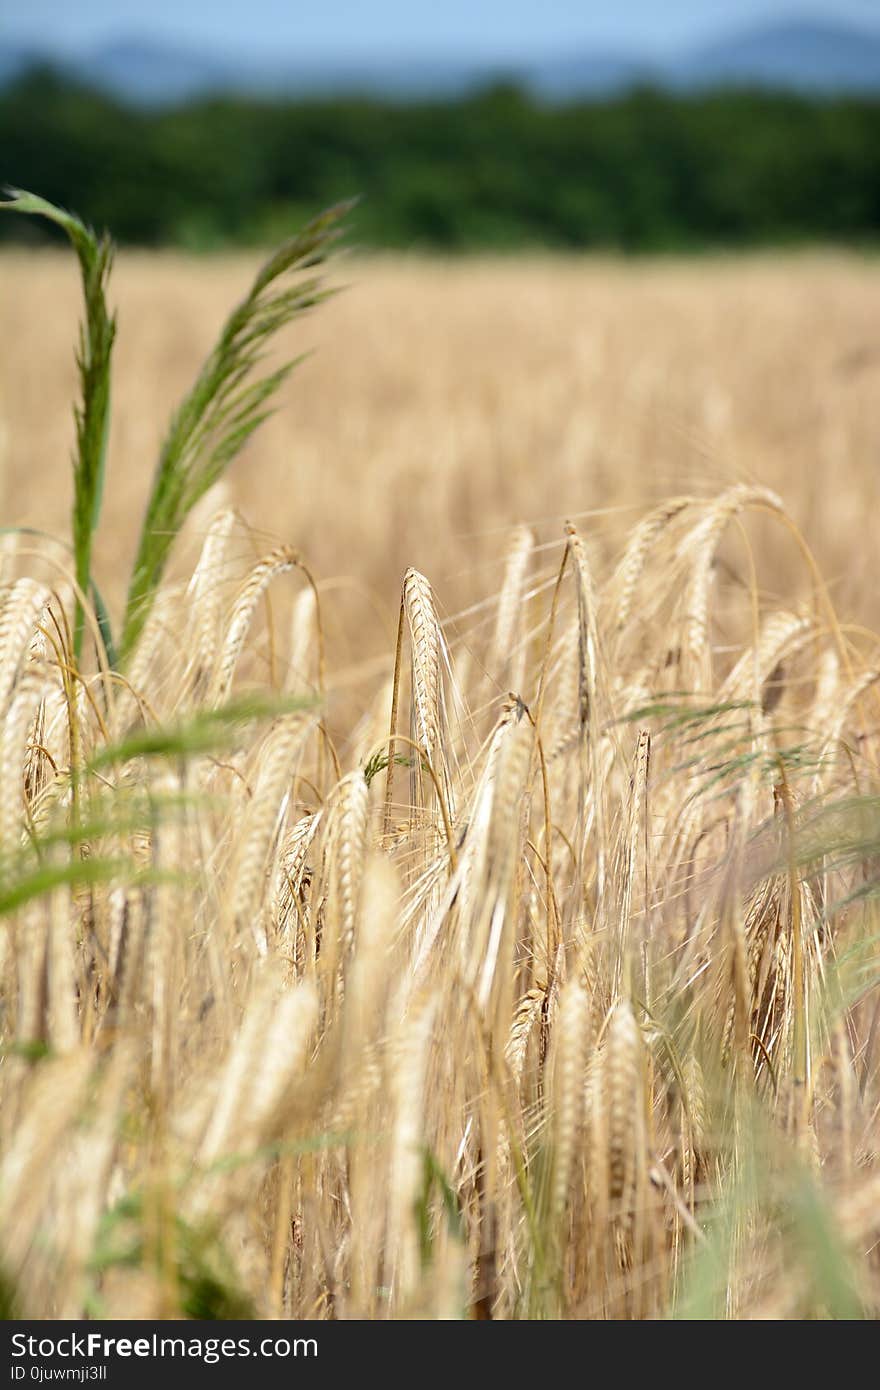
(462,902)
(444,403)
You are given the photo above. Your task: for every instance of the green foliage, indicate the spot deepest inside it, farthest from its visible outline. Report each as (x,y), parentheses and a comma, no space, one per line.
(207,731)
(8,1299)
(225,405)
(90,848)
(216,419)
(379,762)
(809,1256)
(202,1271)
(102,617)
(647,171)
(76,873)
(434,1176)
(97,332)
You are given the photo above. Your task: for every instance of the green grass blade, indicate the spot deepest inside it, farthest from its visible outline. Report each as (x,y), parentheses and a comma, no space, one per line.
(207,731)
(93,358)
(225,406)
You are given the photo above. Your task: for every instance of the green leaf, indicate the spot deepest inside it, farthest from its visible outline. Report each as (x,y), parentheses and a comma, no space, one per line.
(207,730)
(93,358)
(224,407)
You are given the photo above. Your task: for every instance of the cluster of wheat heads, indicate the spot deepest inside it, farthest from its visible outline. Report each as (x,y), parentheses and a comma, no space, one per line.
(549,989)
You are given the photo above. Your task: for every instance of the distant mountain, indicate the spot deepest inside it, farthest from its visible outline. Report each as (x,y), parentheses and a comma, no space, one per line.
(148,72)
(16,59)
(798,56)
(152,72)
(586,75)
(805,57)
(817,59)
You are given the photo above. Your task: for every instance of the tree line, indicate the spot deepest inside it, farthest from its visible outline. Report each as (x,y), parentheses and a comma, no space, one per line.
(645,171)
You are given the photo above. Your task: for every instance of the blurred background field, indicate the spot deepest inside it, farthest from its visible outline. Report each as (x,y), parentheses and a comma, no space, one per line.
(479,368)
(446,400)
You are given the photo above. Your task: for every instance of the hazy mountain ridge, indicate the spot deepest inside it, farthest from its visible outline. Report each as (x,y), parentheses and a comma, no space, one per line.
(823,59)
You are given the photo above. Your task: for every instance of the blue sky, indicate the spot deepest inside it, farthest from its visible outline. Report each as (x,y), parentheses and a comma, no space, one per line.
(475,28)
